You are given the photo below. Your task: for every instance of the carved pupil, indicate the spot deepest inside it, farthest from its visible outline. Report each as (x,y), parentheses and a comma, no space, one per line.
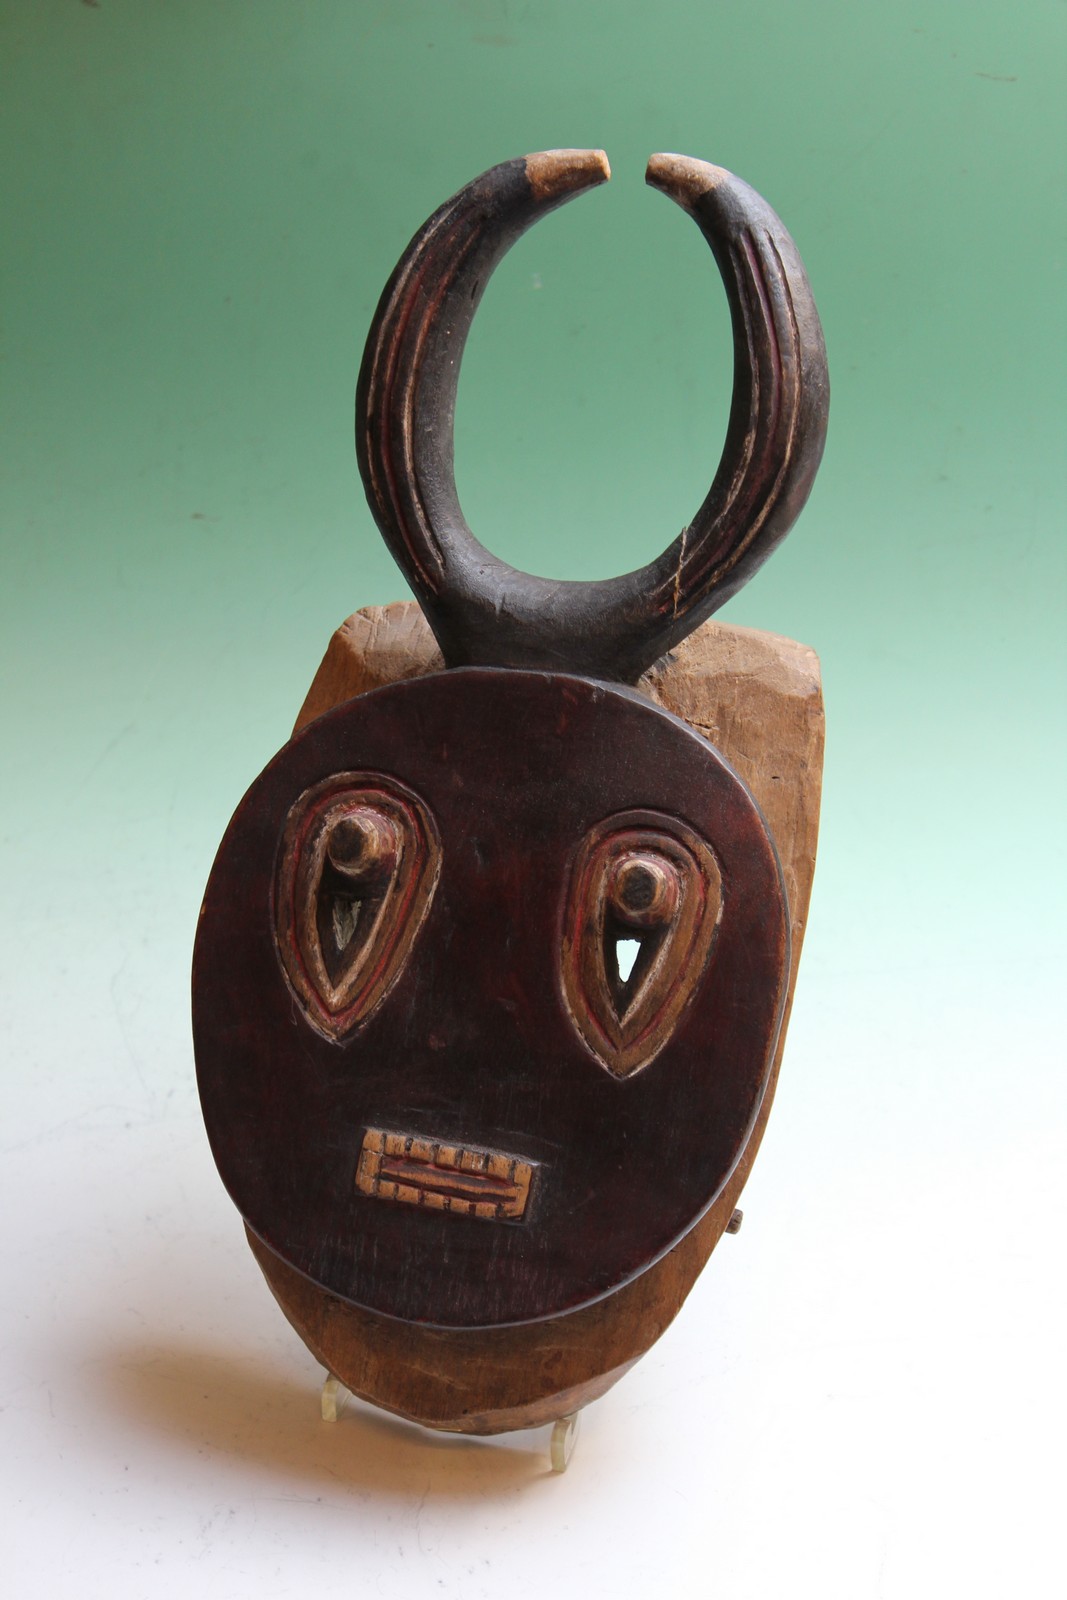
(644,890)
(363,844)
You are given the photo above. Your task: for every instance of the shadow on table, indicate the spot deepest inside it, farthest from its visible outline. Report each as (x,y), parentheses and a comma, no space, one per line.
(203,1401)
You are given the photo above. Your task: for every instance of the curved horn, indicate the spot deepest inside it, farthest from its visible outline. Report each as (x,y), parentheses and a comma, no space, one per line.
(484,611)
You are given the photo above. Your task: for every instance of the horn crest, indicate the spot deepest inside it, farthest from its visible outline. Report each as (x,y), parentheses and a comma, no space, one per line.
(484,611)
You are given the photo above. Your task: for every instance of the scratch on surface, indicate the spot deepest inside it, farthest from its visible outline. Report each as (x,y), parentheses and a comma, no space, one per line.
(995,77)
(678,571)
(419,1509)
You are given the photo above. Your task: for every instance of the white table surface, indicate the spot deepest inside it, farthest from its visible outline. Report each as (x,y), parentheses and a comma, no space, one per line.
(862,1396)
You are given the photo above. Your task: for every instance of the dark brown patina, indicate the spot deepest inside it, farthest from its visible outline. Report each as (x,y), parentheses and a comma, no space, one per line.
(476,1043)
(432,1086)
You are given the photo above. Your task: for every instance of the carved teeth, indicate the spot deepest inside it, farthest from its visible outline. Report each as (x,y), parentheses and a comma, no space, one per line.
(461,1179)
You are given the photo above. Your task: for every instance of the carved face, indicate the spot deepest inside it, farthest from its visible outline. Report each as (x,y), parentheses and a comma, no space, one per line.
(486,992)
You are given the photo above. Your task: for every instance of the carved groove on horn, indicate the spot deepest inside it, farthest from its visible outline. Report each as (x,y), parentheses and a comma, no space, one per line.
(484,611)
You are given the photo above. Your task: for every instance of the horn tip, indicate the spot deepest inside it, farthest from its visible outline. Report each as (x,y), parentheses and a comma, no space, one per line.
(553,174)
(683,178)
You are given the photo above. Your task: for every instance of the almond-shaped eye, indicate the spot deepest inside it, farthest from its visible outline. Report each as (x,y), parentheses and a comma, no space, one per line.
(642,910)
(359,864)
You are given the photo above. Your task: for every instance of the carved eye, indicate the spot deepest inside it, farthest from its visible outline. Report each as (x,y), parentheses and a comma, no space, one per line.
(358,869)
(644,903)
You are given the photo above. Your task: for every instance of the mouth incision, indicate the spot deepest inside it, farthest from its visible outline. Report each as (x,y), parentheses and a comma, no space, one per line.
(469,1182)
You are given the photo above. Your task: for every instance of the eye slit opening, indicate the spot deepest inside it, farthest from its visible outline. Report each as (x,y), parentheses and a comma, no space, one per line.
(345,914)
(626,954)
(346,910)
(629,955)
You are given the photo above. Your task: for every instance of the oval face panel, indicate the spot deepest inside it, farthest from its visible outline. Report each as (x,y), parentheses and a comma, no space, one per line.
(486,991)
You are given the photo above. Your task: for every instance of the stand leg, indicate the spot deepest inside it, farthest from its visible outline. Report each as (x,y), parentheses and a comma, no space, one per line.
(561,1446)
(334,1396)
(564,1439)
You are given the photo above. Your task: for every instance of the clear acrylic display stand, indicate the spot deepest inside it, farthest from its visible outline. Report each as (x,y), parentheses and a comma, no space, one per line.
(561,1445)
(564,1432)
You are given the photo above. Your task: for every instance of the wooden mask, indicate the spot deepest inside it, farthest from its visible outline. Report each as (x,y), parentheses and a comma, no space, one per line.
(491,963)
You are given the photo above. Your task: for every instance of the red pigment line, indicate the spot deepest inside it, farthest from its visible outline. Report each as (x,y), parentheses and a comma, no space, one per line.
(398,1165)
(440,1181)
(447,1192)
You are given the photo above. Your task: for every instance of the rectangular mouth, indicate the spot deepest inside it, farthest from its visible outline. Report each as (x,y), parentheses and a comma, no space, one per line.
(439,1176)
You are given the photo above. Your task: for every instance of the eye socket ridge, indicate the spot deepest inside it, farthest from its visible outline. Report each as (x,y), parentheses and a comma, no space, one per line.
(358,867)
(649,880)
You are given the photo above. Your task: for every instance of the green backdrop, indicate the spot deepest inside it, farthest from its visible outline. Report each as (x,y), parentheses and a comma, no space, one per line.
(201,202)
